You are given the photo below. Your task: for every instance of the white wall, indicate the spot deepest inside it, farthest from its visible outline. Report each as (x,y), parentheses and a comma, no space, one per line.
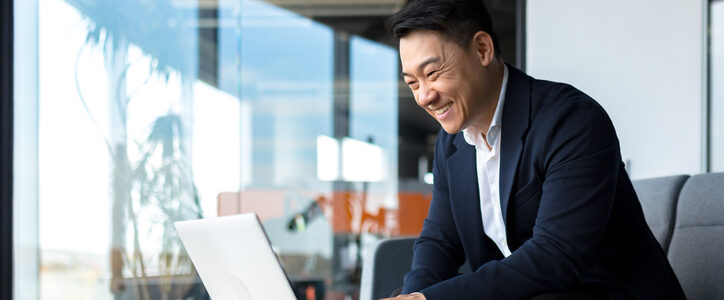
(643,60)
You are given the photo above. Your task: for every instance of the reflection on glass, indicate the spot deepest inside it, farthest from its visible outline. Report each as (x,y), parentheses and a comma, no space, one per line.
(131,141)
(151,112)
(373,111)
(287,85)
(716,89)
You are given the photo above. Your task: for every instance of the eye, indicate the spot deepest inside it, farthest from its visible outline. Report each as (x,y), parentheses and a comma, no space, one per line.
(431,73)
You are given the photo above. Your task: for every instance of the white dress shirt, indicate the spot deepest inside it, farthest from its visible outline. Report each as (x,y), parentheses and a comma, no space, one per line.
(488,170)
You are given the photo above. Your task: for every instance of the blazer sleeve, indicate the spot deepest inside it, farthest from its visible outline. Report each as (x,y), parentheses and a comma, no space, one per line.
(581,163)
(438,252)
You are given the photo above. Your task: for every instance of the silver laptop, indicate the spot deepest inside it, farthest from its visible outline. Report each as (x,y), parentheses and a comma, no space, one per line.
(234,258)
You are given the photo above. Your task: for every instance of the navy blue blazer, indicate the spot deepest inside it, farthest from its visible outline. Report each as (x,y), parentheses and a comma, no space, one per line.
(572,217)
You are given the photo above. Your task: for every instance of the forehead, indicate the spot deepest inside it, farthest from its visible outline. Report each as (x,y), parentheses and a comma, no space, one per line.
(423,46)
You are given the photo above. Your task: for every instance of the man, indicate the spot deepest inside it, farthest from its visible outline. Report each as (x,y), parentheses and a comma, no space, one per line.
(529,187)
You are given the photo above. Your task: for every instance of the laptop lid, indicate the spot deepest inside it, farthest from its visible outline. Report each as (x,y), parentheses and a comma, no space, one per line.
(234,258)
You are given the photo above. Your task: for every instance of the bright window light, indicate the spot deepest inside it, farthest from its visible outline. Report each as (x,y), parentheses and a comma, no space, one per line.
(327,158)
(362,161)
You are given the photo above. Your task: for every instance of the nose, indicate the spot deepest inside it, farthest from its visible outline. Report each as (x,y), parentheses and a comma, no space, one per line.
(426,95)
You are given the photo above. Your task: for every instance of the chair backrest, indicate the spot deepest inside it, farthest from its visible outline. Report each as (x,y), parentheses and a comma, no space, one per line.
(658,197)
(384,267)
(696,252)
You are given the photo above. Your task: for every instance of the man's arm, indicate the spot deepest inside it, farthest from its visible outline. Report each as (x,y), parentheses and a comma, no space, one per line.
(581,163)
(438,253)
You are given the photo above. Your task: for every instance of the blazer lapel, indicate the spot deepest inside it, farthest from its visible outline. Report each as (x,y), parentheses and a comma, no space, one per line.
(464,194)
(516,117)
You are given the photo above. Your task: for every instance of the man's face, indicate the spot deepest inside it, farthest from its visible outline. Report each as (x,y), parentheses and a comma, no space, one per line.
(448,82)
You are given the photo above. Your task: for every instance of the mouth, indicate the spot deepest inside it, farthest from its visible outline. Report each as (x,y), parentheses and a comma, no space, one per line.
(442,111)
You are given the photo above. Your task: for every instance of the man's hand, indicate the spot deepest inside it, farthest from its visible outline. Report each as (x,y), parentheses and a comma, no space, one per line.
(413,296)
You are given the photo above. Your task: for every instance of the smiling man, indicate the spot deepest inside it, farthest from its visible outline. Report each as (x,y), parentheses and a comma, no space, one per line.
(529,185)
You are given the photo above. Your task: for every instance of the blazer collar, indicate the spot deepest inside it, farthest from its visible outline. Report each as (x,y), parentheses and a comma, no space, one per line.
(516,111)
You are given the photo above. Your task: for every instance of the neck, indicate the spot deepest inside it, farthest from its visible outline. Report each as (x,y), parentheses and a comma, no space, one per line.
(496,70)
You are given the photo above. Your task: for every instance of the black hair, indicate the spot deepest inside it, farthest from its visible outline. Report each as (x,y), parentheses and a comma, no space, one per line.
(457,20)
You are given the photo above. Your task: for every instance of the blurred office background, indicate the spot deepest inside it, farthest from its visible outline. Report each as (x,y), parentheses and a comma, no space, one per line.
(131,115)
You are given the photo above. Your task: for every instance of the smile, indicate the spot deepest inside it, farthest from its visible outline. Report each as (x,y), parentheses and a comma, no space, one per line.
(443,109)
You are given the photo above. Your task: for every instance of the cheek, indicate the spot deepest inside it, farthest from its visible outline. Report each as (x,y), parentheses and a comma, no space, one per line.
(465,96)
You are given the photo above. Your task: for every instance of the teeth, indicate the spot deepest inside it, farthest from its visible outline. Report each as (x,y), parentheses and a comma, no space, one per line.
(443,109)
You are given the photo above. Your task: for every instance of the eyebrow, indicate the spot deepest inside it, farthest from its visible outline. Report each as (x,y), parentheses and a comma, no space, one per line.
(423,64)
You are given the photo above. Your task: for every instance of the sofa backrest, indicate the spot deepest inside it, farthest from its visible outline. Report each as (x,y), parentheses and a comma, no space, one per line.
(696,251)
(658,197)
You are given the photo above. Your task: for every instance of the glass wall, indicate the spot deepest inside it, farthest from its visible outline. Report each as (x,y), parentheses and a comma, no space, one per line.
(152,112)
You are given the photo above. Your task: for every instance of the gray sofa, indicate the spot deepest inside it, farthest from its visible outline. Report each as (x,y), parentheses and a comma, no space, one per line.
(685,214)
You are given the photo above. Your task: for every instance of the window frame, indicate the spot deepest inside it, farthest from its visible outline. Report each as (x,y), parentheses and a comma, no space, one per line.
(6,150)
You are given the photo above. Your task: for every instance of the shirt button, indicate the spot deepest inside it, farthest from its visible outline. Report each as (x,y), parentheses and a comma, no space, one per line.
(505,243)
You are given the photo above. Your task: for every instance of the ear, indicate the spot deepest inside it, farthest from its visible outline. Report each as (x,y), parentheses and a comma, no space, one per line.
(483,46)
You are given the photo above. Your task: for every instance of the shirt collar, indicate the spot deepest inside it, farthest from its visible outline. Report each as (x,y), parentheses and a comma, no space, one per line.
(472,136)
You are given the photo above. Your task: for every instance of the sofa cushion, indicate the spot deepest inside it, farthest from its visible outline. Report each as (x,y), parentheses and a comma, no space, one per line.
(658,197)
(696,251)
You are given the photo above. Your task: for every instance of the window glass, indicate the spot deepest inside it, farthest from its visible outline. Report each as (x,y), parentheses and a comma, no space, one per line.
(152,112)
